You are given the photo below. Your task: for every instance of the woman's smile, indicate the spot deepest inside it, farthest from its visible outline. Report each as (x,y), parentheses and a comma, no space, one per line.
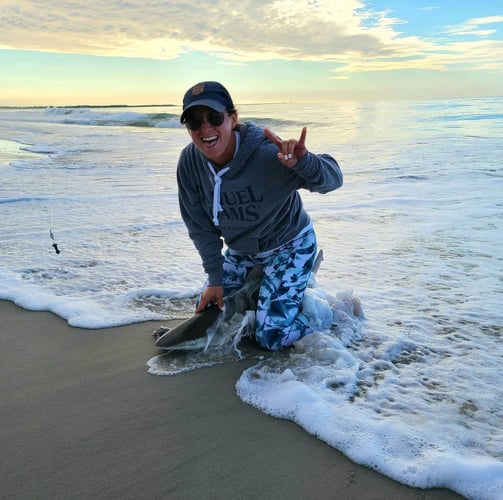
(216,142)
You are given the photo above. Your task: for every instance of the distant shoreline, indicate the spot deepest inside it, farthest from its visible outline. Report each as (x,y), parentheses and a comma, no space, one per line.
(259,103)
(76,106)
(95,106)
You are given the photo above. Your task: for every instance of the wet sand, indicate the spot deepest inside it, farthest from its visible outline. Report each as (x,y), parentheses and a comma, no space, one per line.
(82,418)
(11,151)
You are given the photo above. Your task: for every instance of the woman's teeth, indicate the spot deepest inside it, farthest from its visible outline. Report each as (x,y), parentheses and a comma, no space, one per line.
(209,139)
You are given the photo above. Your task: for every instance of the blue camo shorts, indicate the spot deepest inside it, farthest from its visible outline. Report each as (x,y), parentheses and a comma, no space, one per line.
(279,318)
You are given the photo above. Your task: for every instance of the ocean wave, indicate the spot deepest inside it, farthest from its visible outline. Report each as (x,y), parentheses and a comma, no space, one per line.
(42,149)
(129,118)
(123,118)
(22,199)
(277,123)
(472,117)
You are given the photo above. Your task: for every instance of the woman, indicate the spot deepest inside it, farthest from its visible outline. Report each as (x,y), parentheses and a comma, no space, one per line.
(238,184)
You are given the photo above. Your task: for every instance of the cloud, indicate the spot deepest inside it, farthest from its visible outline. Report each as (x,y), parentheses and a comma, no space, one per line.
(473,26)
(250,30)
(347,33)
(473,56)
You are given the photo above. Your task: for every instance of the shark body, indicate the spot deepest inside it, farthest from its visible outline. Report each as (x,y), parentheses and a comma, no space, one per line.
(198,332)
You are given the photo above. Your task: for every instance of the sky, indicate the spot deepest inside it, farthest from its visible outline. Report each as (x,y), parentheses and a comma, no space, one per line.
(103,52)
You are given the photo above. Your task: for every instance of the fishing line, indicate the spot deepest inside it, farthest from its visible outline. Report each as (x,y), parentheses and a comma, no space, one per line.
(54,245)
(51,234)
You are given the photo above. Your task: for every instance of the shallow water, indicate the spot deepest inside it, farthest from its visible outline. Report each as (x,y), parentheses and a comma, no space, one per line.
(415,233)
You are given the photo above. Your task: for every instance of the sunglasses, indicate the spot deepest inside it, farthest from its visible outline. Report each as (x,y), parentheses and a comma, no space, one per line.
(214,118)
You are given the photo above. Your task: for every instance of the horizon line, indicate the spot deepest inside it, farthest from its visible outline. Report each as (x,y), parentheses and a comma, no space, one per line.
(251,103)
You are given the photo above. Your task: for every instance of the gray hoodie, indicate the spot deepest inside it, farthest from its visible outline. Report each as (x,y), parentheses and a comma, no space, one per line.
(252,204)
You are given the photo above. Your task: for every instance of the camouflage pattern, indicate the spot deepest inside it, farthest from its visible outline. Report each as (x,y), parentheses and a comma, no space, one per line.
(279,318)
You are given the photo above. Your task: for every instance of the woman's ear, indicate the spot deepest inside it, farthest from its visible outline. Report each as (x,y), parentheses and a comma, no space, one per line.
(234,118)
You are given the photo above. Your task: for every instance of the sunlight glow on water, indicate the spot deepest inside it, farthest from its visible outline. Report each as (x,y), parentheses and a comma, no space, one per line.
(415,233)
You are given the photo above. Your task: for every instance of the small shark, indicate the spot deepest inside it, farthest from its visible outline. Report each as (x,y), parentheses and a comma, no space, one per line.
(199,331)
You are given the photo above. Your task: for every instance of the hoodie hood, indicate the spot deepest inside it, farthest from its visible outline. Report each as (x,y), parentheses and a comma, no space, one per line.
(251,139)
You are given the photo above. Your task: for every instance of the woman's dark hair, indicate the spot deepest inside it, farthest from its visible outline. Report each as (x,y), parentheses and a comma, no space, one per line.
(231,111)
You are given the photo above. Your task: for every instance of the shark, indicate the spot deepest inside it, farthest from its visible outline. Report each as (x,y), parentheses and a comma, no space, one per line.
(202,329)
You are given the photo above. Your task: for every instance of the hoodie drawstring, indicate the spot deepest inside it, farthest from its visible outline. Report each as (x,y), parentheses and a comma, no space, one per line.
(217,207)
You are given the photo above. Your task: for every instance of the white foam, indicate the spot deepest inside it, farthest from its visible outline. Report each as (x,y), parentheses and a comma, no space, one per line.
(415,231)
(112,117)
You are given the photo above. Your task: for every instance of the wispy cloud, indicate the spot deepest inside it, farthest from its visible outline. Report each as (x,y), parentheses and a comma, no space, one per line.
(474,26)
(346,32)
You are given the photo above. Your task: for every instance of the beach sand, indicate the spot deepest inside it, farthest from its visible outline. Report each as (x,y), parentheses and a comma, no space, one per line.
(82,418)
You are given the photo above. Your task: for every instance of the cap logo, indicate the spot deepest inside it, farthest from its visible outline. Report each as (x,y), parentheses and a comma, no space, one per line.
(198,89)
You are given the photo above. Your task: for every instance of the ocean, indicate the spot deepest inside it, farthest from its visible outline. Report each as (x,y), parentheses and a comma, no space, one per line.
(409,383)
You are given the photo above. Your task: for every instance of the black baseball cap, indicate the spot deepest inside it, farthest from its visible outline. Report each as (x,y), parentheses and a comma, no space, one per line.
(211,94)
